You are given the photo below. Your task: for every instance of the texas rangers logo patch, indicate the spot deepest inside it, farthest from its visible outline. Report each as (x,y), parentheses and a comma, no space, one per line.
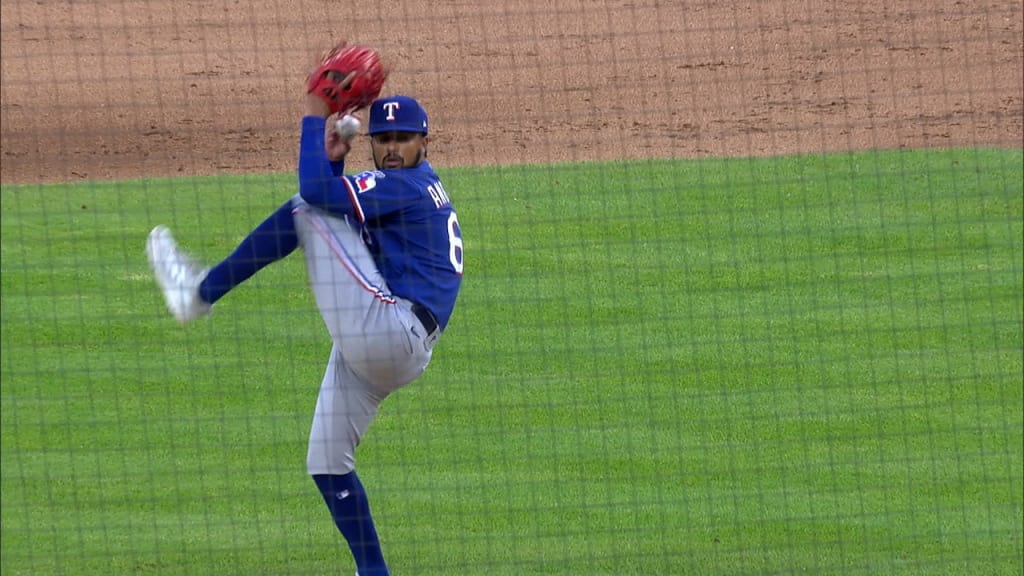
(365,181)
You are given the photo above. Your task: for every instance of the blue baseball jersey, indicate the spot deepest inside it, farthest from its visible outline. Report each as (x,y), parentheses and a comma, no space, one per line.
(412,230)
(405,216)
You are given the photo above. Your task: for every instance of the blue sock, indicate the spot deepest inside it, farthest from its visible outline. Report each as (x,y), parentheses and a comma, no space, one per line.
(350,508)
(271,241)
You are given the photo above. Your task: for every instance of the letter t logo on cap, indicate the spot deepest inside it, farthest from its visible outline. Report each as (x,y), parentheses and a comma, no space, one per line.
(391,107)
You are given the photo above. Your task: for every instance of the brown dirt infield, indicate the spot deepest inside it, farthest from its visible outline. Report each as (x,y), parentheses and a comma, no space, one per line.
(101,90)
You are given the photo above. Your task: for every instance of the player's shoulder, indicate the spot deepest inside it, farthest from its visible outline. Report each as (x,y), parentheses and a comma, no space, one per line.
(418,178)
(362,182)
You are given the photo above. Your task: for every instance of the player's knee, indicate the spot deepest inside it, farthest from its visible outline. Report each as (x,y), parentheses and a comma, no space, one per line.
(330,460)
(332,468)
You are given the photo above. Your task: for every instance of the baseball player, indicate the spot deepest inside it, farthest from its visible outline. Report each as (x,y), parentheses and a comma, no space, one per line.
(383,250)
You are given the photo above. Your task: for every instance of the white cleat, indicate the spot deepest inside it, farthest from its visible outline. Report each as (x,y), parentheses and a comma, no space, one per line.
(178,275)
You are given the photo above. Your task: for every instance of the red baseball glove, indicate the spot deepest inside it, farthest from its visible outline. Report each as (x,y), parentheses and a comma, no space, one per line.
(348,78)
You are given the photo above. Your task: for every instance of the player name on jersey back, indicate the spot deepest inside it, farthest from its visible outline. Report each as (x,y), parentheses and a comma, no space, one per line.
(438,194)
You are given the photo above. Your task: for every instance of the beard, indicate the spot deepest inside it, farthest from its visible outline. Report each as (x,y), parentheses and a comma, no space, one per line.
(380,164)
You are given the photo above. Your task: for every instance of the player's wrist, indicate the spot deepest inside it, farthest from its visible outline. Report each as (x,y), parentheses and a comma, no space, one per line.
(314,122)
(315,106)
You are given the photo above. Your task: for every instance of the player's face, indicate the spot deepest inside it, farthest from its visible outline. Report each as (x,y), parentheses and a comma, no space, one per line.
(397,149)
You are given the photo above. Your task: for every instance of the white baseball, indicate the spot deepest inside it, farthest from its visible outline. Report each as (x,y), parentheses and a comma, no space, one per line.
(347,126)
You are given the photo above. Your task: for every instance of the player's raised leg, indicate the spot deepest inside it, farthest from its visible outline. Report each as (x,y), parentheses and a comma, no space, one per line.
(372,327)
(177,274)
(190,288)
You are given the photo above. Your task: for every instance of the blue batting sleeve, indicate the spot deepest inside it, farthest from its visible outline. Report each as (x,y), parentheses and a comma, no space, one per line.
(317,184)
(271,241)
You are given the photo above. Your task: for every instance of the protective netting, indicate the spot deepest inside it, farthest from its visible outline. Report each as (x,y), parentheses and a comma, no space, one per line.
(743,290)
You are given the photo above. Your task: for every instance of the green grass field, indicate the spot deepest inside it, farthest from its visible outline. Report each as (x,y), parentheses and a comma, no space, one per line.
(777,366)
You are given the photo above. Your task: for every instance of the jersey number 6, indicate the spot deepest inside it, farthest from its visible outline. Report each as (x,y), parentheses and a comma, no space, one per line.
(455,243)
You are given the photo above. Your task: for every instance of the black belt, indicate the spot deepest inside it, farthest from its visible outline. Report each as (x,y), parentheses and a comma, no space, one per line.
(426,318)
